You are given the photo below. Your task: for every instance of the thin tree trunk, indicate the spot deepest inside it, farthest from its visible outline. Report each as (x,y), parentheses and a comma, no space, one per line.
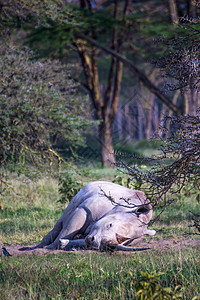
(185,101)
(191,101)
(153,76)
(173,12)
(118,122)
(198,99)
(148,128)
(156,117)
(191,9)
(107,150)
(140,121)
(127,123)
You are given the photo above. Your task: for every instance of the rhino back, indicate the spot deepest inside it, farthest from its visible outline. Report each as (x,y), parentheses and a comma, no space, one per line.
(93,198)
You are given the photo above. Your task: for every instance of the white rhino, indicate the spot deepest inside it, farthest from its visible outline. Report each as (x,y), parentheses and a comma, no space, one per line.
(102,215)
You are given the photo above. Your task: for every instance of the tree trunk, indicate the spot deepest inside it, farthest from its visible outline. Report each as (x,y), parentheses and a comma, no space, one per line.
(118,123)
(191,9)
(140,121)
(128,123)
(149,117)
(107,150)
(173,12)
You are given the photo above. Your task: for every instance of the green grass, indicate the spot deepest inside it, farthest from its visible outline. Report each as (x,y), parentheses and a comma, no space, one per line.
(95,275)
(31,210)
(92,173)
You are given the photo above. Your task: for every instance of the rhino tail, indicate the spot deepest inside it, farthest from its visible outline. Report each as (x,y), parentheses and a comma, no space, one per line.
(30,248)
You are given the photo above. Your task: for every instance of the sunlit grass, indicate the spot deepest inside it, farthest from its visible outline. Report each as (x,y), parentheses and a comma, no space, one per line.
(95,275)
(30,211)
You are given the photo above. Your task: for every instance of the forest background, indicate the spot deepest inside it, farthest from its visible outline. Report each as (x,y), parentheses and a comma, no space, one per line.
(114,52)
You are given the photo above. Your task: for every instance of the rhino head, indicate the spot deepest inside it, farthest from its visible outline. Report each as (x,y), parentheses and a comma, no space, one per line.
(120,227)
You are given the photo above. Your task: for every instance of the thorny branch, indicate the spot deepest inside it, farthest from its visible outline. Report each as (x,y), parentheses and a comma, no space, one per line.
(128,201)
(182,148)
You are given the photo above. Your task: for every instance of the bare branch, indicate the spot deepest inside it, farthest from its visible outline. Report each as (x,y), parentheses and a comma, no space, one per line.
(141,76)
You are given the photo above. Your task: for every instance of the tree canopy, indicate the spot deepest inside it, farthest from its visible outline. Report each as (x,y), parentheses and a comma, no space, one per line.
(115,27)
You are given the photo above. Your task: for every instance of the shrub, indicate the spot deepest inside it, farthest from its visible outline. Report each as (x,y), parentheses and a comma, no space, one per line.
(149,286)
(128,181)
(69,186)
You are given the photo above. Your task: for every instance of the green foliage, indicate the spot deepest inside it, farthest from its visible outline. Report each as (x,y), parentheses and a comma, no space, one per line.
(127,181)
(73,179)
(69,186)
(196,222)
(149,286)
(39,106)
(14,14)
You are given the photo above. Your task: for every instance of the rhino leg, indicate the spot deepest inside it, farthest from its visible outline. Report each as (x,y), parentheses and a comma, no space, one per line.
(150,232)
(68,245)
(71,228)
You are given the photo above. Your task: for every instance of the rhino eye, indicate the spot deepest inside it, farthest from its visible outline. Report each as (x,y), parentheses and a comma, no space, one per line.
(108,225)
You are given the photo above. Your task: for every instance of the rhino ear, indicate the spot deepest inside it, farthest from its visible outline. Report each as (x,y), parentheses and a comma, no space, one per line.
(143,210)
(121,238)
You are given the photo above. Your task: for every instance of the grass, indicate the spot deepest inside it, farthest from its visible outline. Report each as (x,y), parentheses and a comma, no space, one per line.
(95,275)
(31,210)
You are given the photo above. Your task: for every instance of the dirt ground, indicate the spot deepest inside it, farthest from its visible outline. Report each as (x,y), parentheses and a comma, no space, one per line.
(154,244)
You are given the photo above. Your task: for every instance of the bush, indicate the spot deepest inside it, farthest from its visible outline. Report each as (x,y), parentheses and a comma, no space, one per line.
(69,186)
(128,181)
(39,107)
(149,286)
